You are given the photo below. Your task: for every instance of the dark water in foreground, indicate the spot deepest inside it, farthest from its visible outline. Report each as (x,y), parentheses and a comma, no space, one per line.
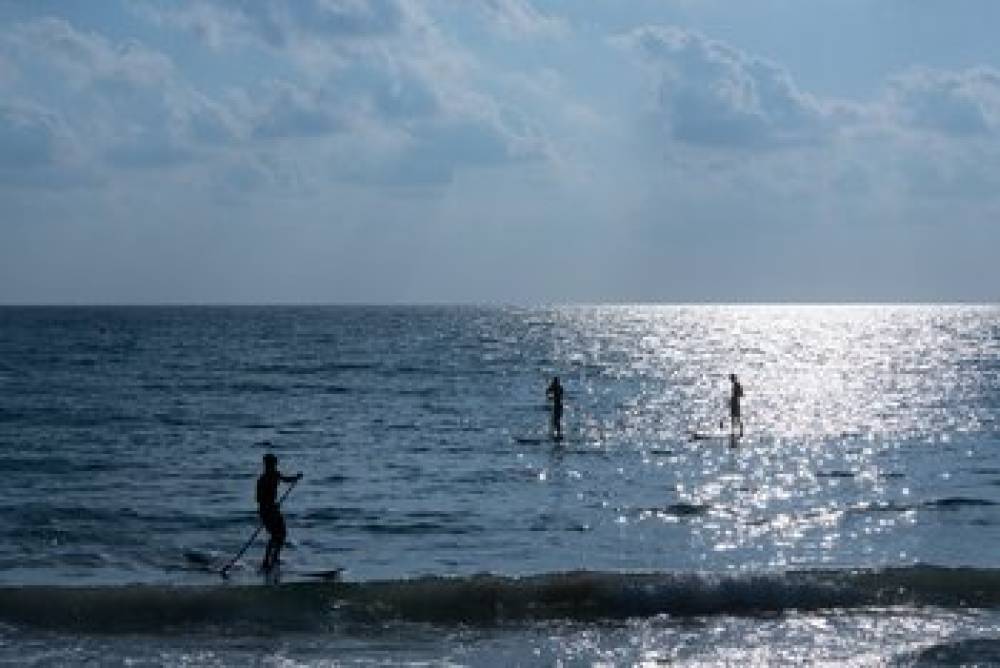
(856,523)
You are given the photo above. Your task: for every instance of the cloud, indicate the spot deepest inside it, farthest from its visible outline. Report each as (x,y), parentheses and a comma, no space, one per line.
(432,154)
(281,24)
(88,58)
(129,104)
(922,150)
(288,110)
(395,94)
(957,104)
(147,150)
(210,122)
(392,96)
(38,149)
(714,95)
(520,18)
(29,136)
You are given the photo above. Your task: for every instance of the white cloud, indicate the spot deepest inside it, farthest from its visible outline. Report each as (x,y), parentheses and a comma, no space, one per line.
(89,58)
(125,101)
(216,25)
(29,136)
(38,148)
(297,26)
(282,22)
(520,18)
(959,104)
(288,110)
(379,69)
(320,134)
(711,94)
(927,135)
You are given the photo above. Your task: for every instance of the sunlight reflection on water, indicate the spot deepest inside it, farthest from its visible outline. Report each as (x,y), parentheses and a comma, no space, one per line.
(832,395)
(808,371)
(133,436)
(871,435)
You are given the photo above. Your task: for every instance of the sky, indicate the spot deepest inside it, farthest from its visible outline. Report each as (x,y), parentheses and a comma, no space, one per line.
(499,151)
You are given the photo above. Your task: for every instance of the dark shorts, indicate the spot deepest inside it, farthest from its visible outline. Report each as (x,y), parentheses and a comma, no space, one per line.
(734,409)
(274,523)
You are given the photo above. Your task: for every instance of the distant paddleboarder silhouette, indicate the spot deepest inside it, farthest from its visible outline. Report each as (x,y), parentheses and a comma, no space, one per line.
(270,511)
(736,393)
(555,394)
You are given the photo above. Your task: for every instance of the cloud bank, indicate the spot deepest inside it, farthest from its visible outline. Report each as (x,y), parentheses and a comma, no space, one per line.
(449,140)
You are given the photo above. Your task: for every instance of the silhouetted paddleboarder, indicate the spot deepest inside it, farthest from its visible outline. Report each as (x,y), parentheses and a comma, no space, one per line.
(555,394)
(270,511)
(736,393)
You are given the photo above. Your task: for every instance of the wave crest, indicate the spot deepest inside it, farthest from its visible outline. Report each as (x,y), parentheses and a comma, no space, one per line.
(583,595)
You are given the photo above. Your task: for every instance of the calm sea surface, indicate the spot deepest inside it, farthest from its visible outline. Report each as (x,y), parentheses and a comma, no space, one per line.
(857,521)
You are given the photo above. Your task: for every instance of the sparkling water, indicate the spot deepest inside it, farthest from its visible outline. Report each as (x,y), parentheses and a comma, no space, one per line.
(853,523)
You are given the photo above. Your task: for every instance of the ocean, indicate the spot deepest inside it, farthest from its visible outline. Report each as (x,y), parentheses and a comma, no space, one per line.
(856,522)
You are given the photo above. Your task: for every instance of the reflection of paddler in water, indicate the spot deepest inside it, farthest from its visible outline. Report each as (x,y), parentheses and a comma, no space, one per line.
(555,395)
(735,417)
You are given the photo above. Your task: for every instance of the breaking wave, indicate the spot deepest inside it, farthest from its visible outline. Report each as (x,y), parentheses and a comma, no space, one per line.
(484,599)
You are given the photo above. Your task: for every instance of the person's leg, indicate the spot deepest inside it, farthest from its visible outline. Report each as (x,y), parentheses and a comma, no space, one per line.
(279,536)
(273,528)
(268,555)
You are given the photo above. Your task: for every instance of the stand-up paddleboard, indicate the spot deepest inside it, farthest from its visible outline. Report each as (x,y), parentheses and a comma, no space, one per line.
(284,574)
(208,562)
(540,440)
(280,574)
(711,435)
(332,574)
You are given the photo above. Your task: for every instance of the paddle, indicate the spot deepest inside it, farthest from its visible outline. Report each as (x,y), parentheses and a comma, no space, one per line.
(246,546)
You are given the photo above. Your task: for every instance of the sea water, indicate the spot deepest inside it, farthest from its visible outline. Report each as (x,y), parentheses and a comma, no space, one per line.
(855,522)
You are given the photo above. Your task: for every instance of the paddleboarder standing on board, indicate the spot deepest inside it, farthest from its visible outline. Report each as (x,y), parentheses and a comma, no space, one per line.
(270,511)
(735,395)
(555,394)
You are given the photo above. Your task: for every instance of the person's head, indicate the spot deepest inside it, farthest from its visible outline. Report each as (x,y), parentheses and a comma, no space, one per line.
(732,377)
(270,462)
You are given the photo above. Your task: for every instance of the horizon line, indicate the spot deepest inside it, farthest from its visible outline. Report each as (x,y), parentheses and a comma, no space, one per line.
(485,303)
